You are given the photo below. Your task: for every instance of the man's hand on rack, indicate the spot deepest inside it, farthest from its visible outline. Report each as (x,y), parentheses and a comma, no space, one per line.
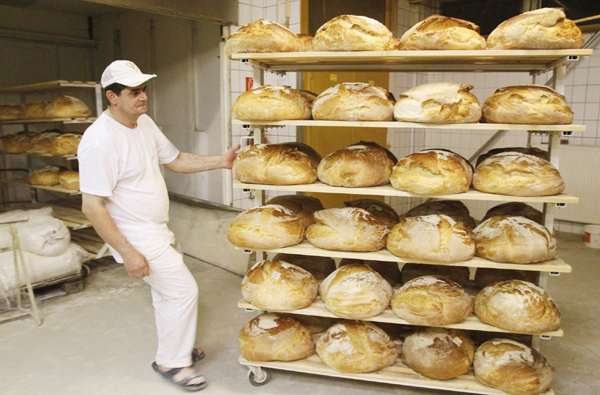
(136,265)
(228,158)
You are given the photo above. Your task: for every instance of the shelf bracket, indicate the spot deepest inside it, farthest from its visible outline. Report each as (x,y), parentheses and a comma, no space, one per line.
(554,274)
(561,205)
(247,252)
(545,337)
(567,133)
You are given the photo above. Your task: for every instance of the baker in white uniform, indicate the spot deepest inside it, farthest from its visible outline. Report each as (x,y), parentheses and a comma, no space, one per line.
(125,197)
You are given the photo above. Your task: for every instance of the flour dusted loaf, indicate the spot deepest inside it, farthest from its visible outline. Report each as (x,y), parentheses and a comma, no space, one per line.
(303,206)
(65,144)
(517,306)
(11,113)
(347,229)
(485,276)
(545,28)
(540,153)
(277,164)
(313,323)
(441,32)
(388,270)
(305,42)
(381,210)
(458,274)
(363,164)
(35,110)
(438,353)
(432,172)
(271,103)
(512,367)
(432,301)
(69,179)
(66,107)
(356,347)
(431,238)
(319,266)
(270,337)
(42,143)
(355,292)
(353,33)
(266,227)
(46,176)
(353,101)
(439,102)
(452,208)
(19,142)
(262,36)
(515,174)
(279,285)
(527,104)
(516,209)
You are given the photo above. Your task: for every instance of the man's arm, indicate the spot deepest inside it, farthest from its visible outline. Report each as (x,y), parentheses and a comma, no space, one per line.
(192,163)
(93,208)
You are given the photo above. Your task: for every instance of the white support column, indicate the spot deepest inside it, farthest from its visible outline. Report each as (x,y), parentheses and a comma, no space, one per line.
(259,80)
(226,115)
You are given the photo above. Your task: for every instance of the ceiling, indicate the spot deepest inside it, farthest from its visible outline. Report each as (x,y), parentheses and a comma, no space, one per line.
(76,7)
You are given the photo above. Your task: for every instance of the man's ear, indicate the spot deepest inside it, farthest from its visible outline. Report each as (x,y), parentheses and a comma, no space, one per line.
(111,97)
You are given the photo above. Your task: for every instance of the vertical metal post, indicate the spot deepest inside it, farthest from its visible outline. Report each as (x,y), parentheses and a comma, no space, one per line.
(98,95)
(259,80)
(226,140)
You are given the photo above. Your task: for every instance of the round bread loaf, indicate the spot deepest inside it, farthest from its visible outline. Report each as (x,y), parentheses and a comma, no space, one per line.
(69,179)
(279,285)
(46,175)
(313,323)
(35,110)
(19,142)
(381,210)
(517,306)
(452,208)
(266,227)
(355,292)
(527,104)
(441,32)
(388,270)
(458,274)
(510,239)
(356,347)
(305,42)
(432,301)
(524,150)
(270,337)
(42,143)
(363,164)
(11,113)
(309,96)
(512,367)
(4,140)
(353,33)
(347,229)
(545,28)
(303,206)
(438,353)
(262,36)
(440,102)
(67,107)
(277,164)
(353,101)
(65,144)
(319,266)
(431,238)
(432,172)
(515,174)
(485,276)
(271,103)
(516,209)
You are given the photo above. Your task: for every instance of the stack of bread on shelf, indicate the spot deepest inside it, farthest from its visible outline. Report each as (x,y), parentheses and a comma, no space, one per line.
(59,107)
(55,176)
(50,142)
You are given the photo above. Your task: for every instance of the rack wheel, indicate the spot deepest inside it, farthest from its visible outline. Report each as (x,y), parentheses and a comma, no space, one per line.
(255,382)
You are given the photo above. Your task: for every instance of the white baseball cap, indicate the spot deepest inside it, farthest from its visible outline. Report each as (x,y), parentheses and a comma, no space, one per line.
(125,73)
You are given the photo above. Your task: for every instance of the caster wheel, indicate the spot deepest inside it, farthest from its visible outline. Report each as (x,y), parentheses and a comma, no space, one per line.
(255,382)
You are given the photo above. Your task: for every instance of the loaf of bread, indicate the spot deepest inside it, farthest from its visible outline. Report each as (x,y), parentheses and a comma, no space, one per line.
(262,36)
(512,367)
(347,229)
(271,103)
(540,153)
(545,28)
(431,238)
(388,270)
(277,164)
(517,209)
(356,347)
(42,143)
(439,102)
(65,144)
(4,140)
(438,353)
(309,96)
(353,33)
(527,104)
(266,227)
(353,101)
(441,32)
(305,42)
(19,142)
(363,164)
(485,276)
(303,206)
(67,107)
(69,179)
(515,174)
(432,172)
(355,292)
(11,113)
(270,337)
(458,274)
(279,285)
(35,110)
(452,208)
(517,306)
(381,210)
(46,176)
(432,301)
(319,266)
(313,323)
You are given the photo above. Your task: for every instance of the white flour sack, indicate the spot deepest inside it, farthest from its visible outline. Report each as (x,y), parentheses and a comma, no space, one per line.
(47,236)
(17,215)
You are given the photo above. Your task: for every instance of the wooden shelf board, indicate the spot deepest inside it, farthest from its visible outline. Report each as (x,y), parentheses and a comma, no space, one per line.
(67,157)
(48,86)
(24,183)
(49,120)
(388,190)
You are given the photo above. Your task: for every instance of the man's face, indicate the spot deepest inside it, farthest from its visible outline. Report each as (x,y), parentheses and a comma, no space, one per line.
(133,101)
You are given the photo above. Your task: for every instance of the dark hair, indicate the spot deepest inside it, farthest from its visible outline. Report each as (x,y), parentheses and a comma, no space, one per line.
(116,88)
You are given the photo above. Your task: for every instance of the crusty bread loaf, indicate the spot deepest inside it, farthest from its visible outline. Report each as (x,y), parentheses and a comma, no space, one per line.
(431,238)
(303,206)
(355,292)
(35,110)
(4,140)
(262,36)
(432,301)
(46,175)
(511,239)
(515,174)
(42,143)
(458,274)
(356,347)
(441,32)
(438,353)
(69,179)
(19,142)
(545,28)
(485,276)
(353,33)
(309,96)
(270,337)
(527,104)
(452,208)
(363,164)
(353,101)
(388,270)
(517,306)
(271,103)
(319,266)
(276,164)
(305,42)
(67,107)
(512,367)
(266,227)
(65,144)
(516,209)
(347,229)
(432,172)
(11,113)
(313,323)
(279,285)
(381,210)
(439,102)
(540,153)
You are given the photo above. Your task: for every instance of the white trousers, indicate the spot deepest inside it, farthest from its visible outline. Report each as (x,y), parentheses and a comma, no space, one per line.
(175,300)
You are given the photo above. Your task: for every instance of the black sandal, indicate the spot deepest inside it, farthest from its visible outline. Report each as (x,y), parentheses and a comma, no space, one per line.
(183,384)
(197,355)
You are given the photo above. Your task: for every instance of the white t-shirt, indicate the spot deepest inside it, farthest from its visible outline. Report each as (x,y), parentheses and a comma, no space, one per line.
(123,165)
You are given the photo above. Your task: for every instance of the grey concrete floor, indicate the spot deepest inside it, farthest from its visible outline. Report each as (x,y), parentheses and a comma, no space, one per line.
(102,340)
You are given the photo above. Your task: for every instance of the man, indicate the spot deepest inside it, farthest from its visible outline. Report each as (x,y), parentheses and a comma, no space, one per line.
(125,197)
